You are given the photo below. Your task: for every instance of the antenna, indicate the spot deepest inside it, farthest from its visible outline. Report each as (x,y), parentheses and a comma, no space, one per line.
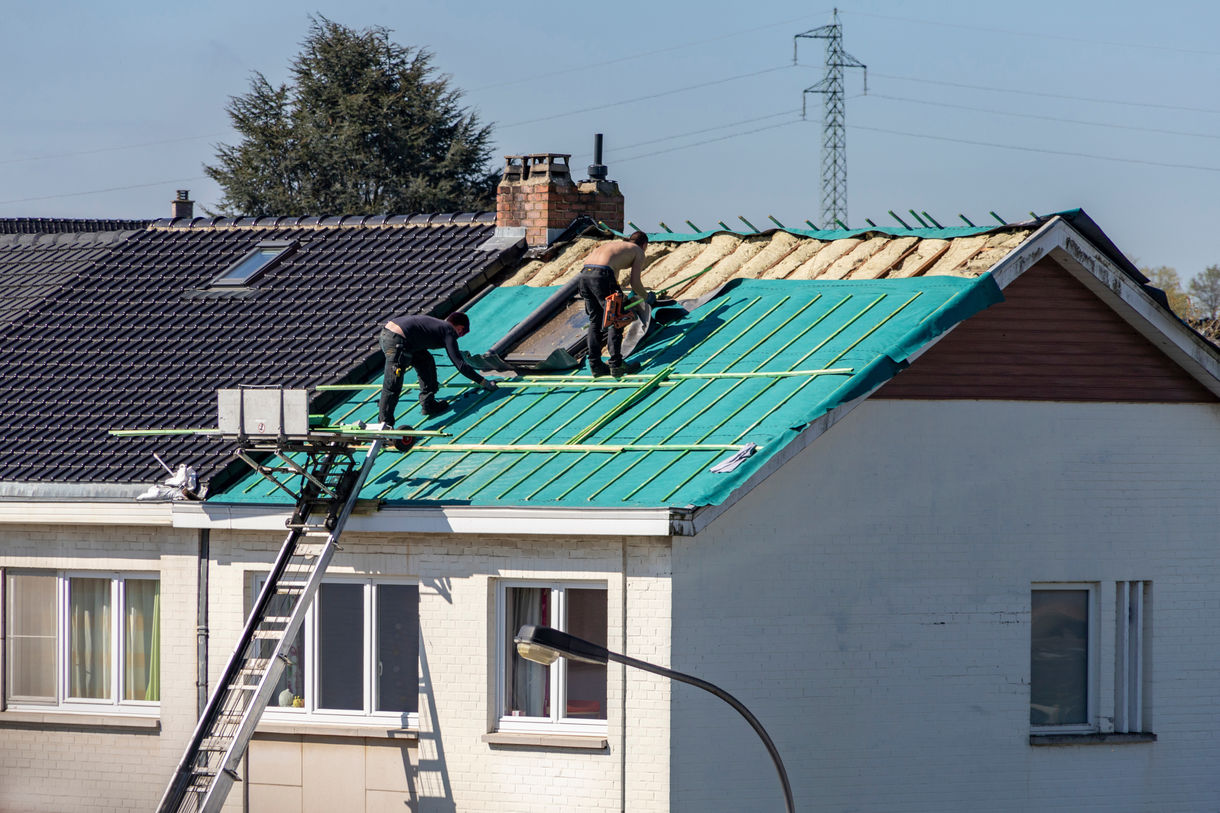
(834,141)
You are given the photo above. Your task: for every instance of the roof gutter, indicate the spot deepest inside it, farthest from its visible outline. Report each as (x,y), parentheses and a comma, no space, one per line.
(446,519)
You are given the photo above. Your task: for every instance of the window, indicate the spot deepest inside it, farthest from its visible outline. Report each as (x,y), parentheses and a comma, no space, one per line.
(1069,691)
(85,642)
(257,261)
(356,657)
(566,694)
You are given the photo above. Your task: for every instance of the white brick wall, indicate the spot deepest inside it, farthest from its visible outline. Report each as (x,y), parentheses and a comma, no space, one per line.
(99,769)
(457,662)
(870,604)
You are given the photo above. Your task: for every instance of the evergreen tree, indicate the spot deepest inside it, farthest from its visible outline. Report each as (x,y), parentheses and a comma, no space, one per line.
(365,126)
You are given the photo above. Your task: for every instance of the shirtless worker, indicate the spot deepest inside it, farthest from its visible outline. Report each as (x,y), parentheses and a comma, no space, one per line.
(598,279)
(406,340)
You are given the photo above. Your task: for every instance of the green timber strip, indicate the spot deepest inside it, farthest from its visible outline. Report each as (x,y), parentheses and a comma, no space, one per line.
(678,335)
(627,403)
(583,448)
(536,468)
(803,384)
(503,403)
(783,348)
(131,433)
(800,387)
(845,351)
(520,435)
(439,448)
(514,383)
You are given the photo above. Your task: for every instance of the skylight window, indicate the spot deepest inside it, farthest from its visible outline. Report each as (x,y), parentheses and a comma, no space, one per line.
(260,259)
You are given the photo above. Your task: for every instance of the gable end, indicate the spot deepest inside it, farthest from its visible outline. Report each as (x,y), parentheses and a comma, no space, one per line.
(1051,339)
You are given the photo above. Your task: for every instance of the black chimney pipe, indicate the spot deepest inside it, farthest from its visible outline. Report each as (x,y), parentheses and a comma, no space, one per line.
(597,170)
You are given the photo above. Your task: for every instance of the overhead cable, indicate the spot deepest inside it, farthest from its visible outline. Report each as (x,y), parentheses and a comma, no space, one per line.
(591,65)
(1035,149)
(649,96)
(100,191)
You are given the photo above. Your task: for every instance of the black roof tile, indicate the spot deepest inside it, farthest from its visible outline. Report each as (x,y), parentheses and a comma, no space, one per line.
(113,330)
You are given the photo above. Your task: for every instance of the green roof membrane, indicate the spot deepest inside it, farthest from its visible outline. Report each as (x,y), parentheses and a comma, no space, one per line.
(859,332)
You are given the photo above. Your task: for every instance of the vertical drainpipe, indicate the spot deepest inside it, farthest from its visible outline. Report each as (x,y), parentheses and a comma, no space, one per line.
(622,748)
(3,639)
(201,618)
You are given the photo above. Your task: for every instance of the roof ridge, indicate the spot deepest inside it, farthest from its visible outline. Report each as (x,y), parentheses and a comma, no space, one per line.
(324,222)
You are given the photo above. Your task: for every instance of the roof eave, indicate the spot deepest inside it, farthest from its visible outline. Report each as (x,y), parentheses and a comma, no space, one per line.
(443,519)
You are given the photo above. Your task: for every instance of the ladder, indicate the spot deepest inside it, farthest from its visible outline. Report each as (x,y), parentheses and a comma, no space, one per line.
(328,479)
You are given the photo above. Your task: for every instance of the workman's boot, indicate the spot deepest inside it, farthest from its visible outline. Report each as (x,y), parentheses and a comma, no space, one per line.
(623,368)
(433,406)
(598,368)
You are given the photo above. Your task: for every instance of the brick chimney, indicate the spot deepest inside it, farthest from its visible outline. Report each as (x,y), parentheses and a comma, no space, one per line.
(182,206)
(537,195)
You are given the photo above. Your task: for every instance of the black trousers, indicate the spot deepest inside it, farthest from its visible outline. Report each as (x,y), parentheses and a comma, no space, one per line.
(596,283)
(398,357)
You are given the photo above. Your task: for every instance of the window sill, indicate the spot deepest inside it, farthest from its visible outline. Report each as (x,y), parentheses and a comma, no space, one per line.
(303,729)
(575,741)
(70,719)
(1096,738)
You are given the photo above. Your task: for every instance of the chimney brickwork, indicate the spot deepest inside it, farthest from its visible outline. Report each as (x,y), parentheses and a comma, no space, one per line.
(537,193)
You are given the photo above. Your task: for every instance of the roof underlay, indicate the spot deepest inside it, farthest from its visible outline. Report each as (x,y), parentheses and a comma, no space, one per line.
(753,364)
(793,255)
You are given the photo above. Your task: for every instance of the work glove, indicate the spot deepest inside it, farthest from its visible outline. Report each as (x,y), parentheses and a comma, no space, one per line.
(489,385)
(650,298)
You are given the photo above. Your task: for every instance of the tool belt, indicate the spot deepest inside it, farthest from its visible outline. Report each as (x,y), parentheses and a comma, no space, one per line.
(615,313)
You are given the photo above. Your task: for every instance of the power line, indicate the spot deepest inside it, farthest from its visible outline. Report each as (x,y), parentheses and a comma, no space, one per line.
(1039,35)
(109,149)
(645,98)
(591,65)
(706,130)
(1043,94)
(100,191)
(1035,149)
(707,141)
(1044,118)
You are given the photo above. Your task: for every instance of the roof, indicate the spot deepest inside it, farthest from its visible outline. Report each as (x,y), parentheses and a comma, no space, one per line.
(672,259)
(132,337)
(779,353)
(34,265)
(60,225)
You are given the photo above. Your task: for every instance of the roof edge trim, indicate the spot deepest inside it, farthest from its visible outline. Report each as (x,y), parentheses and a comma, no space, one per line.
(315,222)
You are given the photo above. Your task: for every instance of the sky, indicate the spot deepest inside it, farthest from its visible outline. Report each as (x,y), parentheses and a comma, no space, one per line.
(970,108)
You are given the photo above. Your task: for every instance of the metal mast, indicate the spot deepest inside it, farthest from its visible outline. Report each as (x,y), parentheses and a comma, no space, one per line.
(834,140)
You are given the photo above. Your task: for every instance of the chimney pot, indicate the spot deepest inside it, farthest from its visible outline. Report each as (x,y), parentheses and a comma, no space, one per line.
(597,170)
(182,206)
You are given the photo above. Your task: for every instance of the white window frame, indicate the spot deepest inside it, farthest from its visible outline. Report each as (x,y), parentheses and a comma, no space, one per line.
(366,716)
(1091,661)
(555,723)
(115,704)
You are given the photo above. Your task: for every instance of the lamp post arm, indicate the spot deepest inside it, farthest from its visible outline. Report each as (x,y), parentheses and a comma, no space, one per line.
(726,697)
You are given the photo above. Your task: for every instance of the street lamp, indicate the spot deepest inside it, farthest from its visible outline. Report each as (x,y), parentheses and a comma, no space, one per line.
(545,645)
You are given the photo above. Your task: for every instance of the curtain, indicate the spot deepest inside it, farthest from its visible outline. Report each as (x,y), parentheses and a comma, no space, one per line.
(528,682)
(142,640)
(89,653)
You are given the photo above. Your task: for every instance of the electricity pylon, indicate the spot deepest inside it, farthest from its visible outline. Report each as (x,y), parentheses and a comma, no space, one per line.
(834,139)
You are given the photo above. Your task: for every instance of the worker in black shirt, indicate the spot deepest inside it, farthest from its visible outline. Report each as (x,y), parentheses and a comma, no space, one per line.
(406,340)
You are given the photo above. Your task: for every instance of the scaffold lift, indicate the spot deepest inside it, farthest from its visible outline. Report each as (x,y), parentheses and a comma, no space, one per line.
(323,470)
